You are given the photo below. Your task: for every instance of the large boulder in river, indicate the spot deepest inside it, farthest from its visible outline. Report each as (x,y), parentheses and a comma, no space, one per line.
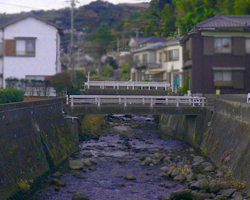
(80,196)
(200,185)
(181,194)
(76,164)
(130,177)
(87,154)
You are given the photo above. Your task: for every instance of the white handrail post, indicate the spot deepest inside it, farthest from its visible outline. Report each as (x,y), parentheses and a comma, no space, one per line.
(99,101)
(177,102)
(88,85)
(71,101)
(103,85)
(143,100)
(202,102)
(125,102)
(156,87)
(67,100)
(166,86)
(120,101)
(148,86)
(117,85)
(193,101)
(133,85)
(95,99)
(166,100)
(114,86)
(151,102)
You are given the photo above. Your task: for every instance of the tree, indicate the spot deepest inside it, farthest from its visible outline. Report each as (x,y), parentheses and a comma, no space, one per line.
(60,82)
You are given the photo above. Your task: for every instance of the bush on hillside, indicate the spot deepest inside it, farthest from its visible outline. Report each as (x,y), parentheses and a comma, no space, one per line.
(9,95)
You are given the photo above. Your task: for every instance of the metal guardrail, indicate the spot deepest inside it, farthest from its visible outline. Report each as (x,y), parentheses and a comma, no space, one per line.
(127,84)
(174,101)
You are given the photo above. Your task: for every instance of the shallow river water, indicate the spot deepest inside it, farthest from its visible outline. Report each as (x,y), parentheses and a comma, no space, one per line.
(116,155)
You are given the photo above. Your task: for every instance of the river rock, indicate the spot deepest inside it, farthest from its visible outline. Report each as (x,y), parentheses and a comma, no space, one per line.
(101,154)
(181,194)
(130,177)
(135,125)
(87,163)
(198,159)
(214,187)
(56,174)
(122,148)
(147,161)
(164,175)
(175,173)
(228,193)
(179,177)
(190,177)
(92,168)
(58,182)
(206,164)
(164,198)
(87,154)
(201,196)
(209,169)
(93,161)
(200,176)
(122,161)
(76,164)
(200,185)
(80,196)
(166,169)
(143,157)
(159,156)
(237,196)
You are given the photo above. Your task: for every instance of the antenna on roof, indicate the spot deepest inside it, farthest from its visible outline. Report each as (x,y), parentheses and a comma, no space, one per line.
(179,31)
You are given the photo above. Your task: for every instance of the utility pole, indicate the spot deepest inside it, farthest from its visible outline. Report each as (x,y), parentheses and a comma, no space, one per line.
(136,32)
(118,44)
(72,4)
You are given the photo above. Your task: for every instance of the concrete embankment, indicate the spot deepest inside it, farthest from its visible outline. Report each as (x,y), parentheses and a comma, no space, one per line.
(223,136)
(35,138)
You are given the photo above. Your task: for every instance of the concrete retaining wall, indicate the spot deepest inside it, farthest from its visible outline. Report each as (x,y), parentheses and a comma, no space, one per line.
(34,138)
(223,136)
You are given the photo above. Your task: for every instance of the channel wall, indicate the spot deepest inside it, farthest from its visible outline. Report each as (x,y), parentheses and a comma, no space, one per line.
(35,138)
(223,135)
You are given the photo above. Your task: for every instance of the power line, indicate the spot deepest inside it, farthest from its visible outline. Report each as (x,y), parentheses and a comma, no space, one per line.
(19,6)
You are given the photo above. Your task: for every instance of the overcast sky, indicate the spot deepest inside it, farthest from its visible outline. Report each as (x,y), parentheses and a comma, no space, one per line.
(16,6)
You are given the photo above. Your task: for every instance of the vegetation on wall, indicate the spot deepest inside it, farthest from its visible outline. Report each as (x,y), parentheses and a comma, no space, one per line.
(185,87)
(9,95)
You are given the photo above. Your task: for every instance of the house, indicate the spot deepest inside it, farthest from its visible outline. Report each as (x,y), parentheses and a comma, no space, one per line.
(144,60)
(169,56)
(140,42)
(216,55)
(29,48)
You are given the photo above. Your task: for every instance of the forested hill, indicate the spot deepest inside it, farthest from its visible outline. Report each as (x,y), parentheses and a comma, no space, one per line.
(89,17)
(163,16)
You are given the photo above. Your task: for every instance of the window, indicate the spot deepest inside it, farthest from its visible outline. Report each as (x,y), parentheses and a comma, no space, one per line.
(174,55)
(222,45)
(223,76)
(25,47)
(247,45)
(137,58)
(144,59)
(159,58)
(165,56)
(229,77)
(1,49)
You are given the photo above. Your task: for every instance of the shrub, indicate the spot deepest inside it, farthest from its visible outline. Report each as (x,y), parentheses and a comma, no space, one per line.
(60,82)
(11,82)
(9,95)
(185,87)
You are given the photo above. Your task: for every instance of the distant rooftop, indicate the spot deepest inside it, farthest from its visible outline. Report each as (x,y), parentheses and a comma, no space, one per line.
(150,39)
(225,21)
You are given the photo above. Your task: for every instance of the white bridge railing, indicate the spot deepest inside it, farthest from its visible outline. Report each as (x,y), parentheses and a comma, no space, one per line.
(127,84)
(176,101)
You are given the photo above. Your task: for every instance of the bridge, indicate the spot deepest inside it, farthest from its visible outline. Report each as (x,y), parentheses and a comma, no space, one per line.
(127,84)
(136,104)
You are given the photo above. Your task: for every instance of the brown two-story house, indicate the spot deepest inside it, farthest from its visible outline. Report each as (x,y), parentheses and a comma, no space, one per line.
(216,55)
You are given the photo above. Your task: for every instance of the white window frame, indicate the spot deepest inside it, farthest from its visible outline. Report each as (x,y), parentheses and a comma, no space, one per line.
(223,45)
(28,48)
(174,55)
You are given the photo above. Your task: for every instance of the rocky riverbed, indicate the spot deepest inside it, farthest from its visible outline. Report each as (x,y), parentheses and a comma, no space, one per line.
(132,162)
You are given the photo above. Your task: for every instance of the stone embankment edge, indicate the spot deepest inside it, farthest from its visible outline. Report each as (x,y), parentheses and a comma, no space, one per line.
(223,136)
(35,138)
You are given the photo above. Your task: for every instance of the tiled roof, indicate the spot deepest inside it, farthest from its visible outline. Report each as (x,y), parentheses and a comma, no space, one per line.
(151,47)
(225,21)
(150,39)
(3,25)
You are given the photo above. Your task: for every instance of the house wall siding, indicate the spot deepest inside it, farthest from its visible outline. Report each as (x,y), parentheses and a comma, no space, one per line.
(202,73)
(44,62)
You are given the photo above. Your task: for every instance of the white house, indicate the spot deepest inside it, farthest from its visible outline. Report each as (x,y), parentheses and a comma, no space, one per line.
(169,56)
(29,48)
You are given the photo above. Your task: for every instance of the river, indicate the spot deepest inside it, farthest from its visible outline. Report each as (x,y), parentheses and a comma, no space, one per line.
(127,164)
